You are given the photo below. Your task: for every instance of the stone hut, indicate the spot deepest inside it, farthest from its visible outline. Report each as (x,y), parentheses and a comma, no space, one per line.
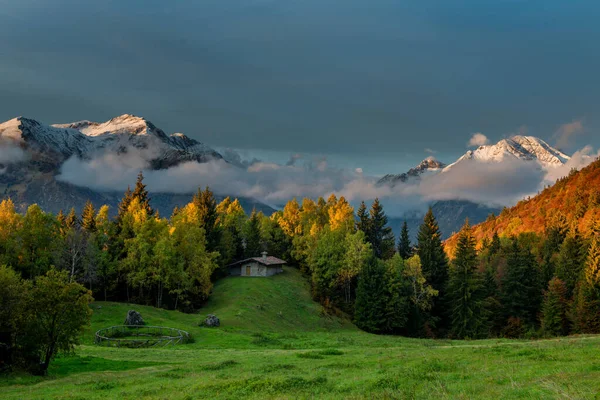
(257,266)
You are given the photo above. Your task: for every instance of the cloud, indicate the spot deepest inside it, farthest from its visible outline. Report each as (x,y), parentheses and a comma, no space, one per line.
(10,153)
(478,139)
(500,183)
(430,151)
(293,159)
(568,131)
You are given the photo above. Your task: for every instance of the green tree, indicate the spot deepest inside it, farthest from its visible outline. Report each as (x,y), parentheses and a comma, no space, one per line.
(495,245)
(206,205)
(380,235)
(253,246)
(554,309)
(141,194)
(363,222)
(586,313)
(435,266)
(60,312)
(521,294)
(404,245)
(571,261)
(421,296)
(356,255)
(465,294)
(371,302)
(398,304)
(13,316)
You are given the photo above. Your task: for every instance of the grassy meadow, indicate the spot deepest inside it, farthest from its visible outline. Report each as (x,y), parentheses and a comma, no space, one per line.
(274,342)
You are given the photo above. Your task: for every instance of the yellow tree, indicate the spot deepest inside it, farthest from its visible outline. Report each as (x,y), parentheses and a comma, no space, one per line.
(341,215)
(290,220)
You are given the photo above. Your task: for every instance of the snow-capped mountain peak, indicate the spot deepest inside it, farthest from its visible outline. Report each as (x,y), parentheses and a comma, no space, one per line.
(525,148)
(428,165)
(85,139)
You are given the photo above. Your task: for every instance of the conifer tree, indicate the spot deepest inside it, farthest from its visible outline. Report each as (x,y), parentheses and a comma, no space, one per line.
(465,294)
(380,235)
(570,262)
(495,245)
(71,221)
(88,217)
(586,316)
(61,218)
(404,245)
(434,264)
(363,218)
(370,305)
(521,294)
(554,309)
(141,193)
(206,204)
(253,246)
(124,204)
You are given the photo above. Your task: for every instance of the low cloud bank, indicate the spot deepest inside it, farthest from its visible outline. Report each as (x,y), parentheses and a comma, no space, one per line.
(10,153)
(496,184)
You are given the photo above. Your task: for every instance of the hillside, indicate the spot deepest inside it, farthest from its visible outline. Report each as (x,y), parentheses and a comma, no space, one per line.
(574,200)
(274,343)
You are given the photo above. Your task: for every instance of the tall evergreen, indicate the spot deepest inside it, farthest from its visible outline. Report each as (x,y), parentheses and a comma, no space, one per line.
(141,193)
(554,309)
(495,245)
(435,266)
(371,302)
(88,217)
(380,235)
(587,300)
(571,261)
(521,294)
(71,220)
(124,204)
(253,246)
(404,245)
(465,291)
(363,218)
(206,203)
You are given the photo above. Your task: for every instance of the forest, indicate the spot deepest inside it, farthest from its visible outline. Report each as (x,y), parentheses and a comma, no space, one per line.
(526,285)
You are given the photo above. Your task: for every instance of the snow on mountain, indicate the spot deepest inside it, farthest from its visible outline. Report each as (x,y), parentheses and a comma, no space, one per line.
(526,148)
(429,165)
(85,139)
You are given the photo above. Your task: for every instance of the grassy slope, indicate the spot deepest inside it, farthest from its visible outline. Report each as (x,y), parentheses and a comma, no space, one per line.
(274,343)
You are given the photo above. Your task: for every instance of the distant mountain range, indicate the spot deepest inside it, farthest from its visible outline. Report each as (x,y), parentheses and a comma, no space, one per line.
(451,214)
(42,150)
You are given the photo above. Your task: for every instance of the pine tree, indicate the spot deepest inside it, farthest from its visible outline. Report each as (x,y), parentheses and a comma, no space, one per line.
(554,309)
(521,294)
(370,305)
(253,246)
(363,218)
(495,246)
(465,294)
(124,204)
(380,235)
(586,312)
(404,245)
(435,265)
(71,221)
(140,193)
(205,201)
(88,217)
(571,261)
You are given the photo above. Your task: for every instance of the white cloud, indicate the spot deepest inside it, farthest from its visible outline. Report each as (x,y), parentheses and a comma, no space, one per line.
(430,151)
(478,139)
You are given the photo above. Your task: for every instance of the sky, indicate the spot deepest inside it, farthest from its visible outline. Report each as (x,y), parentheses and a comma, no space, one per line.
(377,85)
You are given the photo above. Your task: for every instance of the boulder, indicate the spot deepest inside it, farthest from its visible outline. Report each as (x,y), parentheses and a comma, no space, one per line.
(134,318)
(211,321)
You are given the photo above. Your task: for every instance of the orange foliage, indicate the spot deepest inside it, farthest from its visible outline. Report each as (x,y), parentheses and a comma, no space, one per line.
(576,197)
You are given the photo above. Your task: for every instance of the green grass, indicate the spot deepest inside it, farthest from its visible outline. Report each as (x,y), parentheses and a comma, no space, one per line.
(274,342)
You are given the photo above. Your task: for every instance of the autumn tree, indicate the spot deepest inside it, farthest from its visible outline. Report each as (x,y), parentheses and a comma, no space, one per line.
(88,217)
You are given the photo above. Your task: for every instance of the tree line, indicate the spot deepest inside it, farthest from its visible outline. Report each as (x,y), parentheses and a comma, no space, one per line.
(526,285)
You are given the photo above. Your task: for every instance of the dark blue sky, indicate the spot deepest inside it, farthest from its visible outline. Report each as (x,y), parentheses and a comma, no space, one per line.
(372,83)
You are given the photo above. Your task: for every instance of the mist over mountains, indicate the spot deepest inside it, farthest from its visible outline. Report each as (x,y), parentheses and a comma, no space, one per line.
(61,166)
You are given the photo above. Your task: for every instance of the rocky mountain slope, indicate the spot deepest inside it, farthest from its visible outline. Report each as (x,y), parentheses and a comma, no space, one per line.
(428,165)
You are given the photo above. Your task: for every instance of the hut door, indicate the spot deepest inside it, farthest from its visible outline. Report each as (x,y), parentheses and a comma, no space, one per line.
(248,270)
